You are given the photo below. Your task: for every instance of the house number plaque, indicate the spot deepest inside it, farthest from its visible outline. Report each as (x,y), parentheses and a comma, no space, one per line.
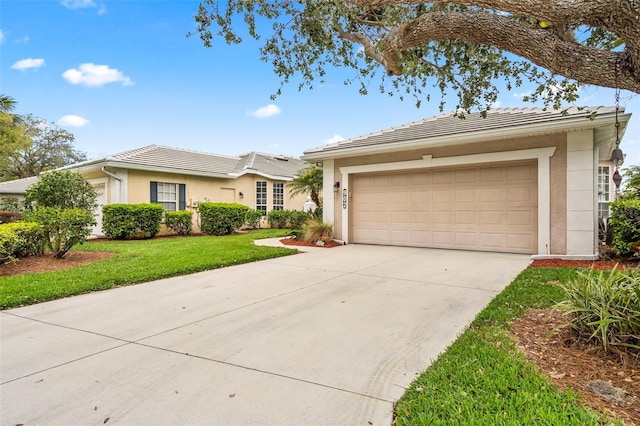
(344,198)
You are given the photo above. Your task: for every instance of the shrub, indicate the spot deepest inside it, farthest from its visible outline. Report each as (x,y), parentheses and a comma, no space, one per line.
(179,222)
(604,307)
(8,242)
(63,228)
(221,218)
(297,219)
(29,238)
(9,204)
(278,218)
(625,226)
(252,218)
(316,230)
(126,221)
(62,189)
(8,216)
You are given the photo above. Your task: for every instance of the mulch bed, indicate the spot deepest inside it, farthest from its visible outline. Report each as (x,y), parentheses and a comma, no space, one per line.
(34,264)
(600,265)
(296,242)
(608,383)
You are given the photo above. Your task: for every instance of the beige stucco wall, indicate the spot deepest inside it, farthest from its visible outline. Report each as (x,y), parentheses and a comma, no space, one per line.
(558,175)
(201,188)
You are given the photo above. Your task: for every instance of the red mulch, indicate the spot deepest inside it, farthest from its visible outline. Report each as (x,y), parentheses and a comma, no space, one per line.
(296,242)
(600,265)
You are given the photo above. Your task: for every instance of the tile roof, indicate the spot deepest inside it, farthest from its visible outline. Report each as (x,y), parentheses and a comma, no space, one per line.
(183,161)
(271,165)
(176,159)
(449,124)
(17,186)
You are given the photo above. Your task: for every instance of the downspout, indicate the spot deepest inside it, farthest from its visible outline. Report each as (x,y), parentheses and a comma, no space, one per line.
(108,173)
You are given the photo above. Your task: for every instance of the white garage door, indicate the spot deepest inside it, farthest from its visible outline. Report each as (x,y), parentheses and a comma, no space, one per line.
(488,208)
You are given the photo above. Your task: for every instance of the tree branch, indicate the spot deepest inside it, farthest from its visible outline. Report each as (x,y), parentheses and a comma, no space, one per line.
(542,47)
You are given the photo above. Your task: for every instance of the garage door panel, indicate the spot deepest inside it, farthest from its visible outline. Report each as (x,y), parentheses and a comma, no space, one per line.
(466,176)
(490,208)
(466,218)
(466,196)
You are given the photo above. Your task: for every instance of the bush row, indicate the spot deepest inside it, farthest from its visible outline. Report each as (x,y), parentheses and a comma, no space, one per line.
(179,222)
(293,219)
(126,221)
(222,218)
(20,239)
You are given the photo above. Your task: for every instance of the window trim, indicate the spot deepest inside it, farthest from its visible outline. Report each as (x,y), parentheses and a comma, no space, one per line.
(262,192)
(279,196)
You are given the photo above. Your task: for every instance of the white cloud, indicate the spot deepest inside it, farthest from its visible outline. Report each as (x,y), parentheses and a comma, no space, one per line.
(266,111)
(522,94)
(78,4)
(93,75)
(28,63)
(496,104)
(2,37)
(85,4)
(334,139)
(73,121)
(24,39)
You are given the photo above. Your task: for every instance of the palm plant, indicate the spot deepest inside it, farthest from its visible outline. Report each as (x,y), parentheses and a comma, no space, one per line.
(308,181)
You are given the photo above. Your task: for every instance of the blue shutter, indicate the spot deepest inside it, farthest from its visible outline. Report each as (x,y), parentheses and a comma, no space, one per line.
(154,192)
(182,193)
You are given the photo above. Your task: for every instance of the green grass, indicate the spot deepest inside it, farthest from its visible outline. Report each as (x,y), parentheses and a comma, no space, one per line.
(482,378)
(136,262)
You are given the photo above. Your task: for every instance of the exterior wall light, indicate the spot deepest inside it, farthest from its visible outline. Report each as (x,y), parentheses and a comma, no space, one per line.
(336,186)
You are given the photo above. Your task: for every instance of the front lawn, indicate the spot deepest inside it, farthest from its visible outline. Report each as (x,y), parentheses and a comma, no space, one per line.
(483,379)
(136,262)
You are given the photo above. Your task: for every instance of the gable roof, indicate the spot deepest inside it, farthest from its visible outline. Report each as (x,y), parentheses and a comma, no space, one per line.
(182,161)
(17,186)
(499,123)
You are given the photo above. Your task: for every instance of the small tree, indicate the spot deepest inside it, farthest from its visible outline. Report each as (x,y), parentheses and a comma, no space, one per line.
(61,189)
(308,181)
(63,203)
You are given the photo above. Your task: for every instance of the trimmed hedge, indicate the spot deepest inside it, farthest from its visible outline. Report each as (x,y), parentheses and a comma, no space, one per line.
(29,238)
(8,243)
(179,222)
(252,218)
(128,221)
(293,219)
(221,218)
(625,226)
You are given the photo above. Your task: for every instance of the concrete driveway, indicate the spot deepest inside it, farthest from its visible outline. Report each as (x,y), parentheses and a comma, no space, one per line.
(329,337)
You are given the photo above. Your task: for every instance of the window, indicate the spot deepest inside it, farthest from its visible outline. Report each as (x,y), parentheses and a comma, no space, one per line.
(604,191)
(278,195)
(171,196)
(261,196)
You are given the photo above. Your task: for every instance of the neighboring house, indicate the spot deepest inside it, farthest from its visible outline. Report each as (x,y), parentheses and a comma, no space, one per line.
(15,189)
(180,179)
(522,180)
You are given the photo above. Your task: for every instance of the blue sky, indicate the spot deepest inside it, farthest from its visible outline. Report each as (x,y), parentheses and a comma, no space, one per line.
(122,74)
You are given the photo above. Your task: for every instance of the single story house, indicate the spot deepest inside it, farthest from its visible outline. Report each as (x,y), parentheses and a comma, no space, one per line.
(180,179)
(521,180)
(15,189)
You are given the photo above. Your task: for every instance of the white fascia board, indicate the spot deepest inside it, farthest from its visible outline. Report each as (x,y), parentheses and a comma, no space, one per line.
(566,125)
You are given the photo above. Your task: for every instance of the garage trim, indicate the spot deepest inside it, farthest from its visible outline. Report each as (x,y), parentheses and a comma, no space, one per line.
(541,154)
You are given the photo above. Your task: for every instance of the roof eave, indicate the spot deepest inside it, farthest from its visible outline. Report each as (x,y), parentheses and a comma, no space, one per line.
(568,124)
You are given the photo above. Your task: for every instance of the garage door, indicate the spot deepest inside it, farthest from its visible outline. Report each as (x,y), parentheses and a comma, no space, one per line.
(488,208)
